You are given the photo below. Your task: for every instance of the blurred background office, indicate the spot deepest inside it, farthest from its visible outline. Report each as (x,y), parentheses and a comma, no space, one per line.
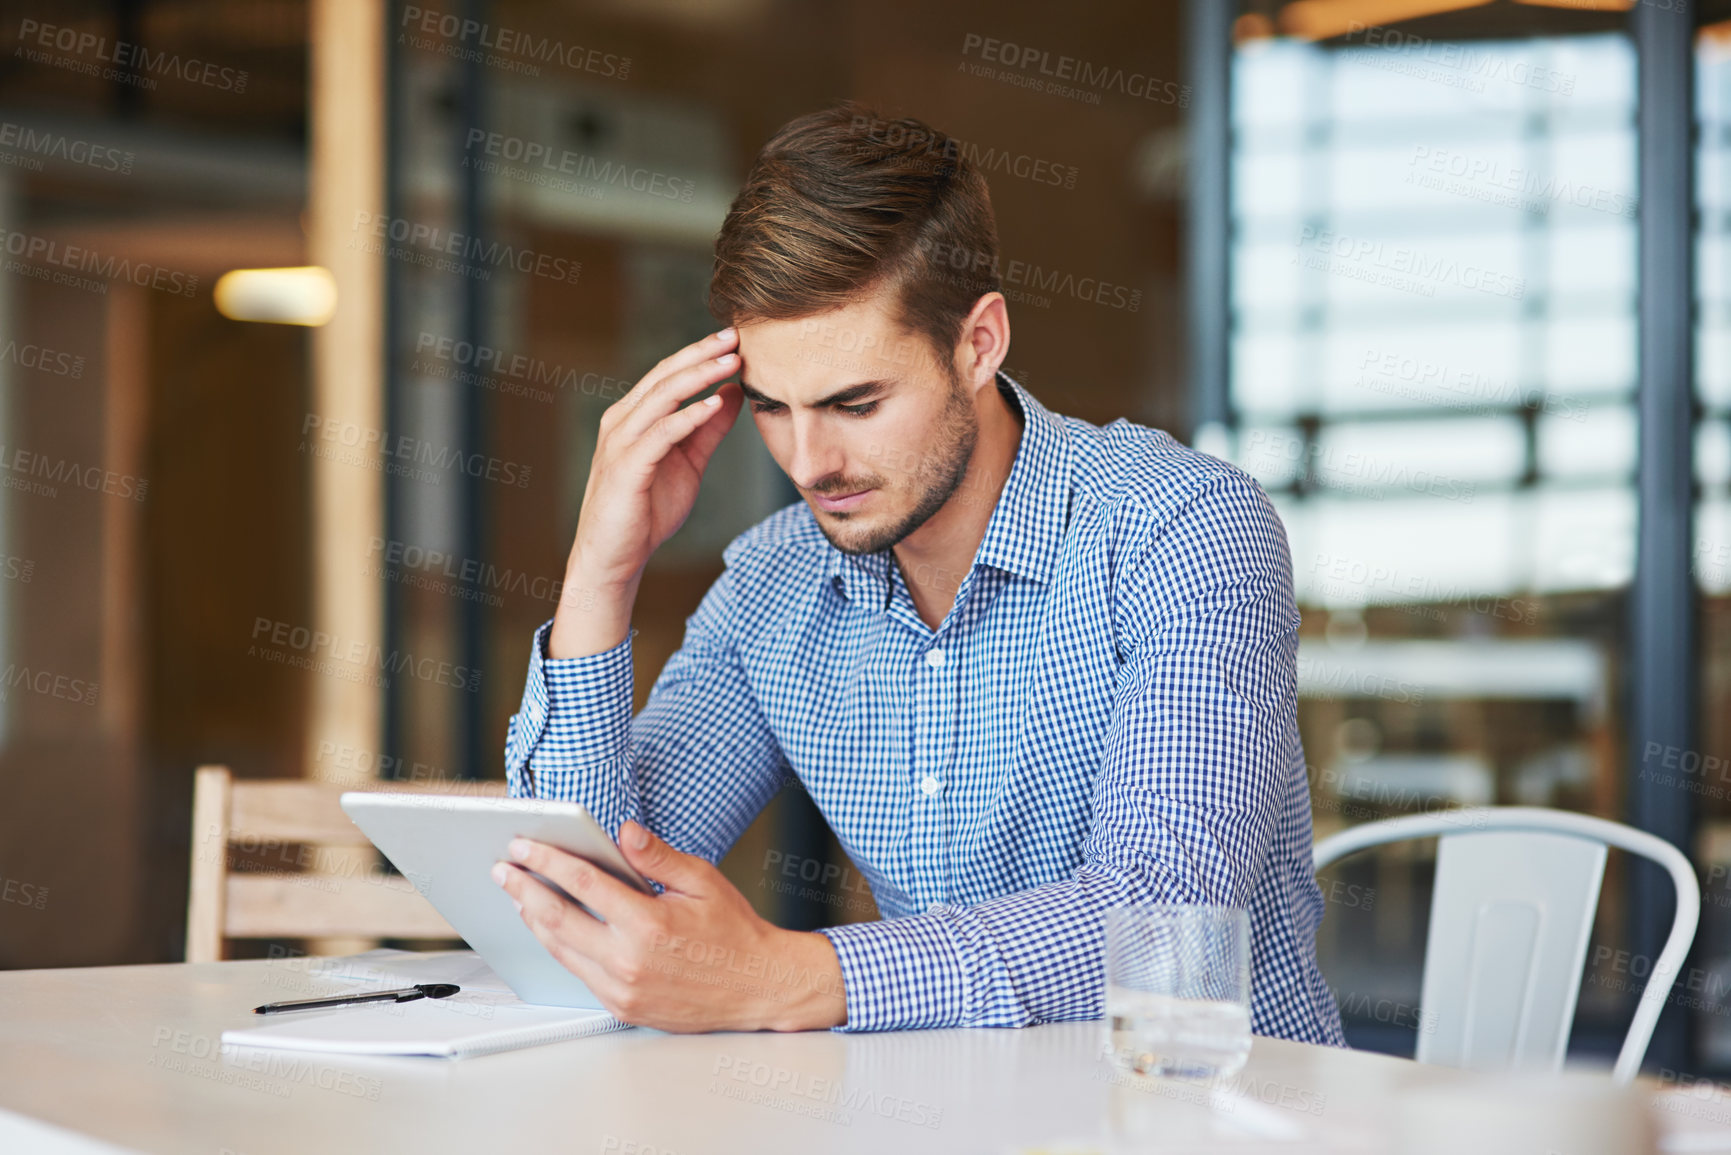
(1449,277)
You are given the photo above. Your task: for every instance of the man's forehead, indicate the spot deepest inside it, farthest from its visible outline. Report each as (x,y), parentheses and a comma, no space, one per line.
(806,358)
(856,328)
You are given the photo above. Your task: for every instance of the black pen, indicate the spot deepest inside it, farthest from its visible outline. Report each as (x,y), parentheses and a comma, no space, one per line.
(406,995)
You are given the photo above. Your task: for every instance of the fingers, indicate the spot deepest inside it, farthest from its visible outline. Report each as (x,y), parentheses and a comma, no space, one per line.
(655,442)
(613,900)
(700,445)
(701,350)
(552,928)
(647,404)
(677,376)
(548,914)
(601,984)
(684,873)
(575,939)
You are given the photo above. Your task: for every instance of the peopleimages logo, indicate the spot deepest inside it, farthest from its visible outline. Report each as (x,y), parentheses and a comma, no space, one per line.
(21,469)
(1066,70)
(533,155)
(79,259)
(371,445)
(480,364)
(479,579)
(46,683)
(1488,179)
(890,136)
(1451,62)
(800,1093)
(131,58)
(1354,580)
(43,359)
(507,48)
(422,244)
(1348,471)
(1397,266)
(1458,388)
(307,648)
(1326,680)
(59,146)
(1021,280)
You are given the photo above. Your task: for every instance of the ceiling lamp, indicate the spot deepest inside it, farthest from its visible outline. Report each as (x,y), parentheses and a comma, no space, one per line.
(299,296)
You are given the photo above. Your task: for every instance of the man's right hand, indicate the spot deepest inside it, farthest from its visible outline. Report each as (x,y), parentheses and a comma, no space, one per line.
(649,459)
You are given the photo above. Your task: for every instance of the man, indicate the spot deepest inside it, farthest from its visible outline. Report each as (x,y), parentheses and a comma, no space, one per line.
(1028,668)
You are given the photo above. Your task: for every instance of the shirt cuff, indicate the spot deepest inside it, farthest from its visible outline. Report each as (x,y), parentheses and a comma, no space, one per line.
(900,973)
(575,716)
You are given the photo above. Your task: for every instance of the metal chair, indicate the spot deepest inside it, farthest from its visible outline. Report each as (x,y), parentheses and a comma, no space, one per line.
(1516,891)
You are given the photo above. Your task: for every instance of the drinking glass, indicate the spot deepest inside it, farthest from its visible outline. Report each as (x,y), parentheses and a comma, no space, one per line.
(1178,989)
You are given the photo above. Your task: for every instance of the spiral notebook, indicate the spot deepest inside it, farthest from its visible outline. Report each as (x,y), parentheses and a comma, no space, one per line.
(481,1019)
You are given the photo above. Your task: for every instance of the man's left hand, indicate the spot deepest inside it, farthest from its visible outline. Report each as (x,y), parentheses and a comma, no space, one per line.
(694,958)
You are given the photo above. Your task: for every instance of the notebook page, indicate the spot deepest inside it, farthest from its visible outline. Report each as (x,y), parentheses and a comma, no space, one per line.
(469,1022)
(484,1016)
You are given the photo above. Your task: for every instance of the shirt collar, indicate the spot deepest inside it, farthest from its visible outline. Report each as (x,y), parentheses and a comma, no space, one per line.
(865,578)
(1027,524)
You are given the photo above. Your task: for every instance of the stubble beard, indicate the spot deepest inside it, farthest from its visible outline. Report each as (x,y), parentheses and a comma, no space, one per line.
(958,433)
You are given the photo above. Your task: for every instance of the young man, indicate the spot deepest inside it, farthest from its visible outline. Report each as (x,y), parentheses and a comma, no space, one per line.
(1028,668)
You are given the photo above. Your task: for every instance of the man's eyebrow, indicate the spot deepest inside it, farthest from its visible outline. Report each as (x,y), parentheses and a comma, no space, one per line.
(845,396)
(851,394)
(755,397)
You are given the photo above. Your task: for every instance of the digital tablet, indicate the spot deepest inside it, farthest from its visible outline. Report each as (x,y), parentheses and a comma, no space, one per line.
(447,844)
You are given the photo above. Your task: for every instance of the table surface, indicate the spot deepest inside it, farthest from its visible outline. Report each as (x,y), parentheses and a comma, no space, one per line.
(128,1058)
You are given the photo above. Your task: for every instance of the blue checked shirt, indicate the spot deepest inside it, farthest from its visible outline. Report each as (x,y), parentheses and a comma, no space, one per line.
(1106,715)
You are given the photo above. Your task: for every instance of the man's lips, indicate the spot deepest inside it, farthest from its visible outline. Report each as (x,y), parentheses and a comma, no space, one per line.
(841,502)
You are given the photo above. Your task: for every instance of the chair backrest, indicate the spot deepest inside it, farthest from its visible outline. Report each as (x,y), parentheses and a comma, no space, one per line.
(1516,891)
(290,822)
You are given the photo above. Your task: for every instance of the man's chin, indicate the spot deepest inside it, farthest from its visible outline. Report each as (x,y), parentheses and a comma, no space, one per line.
(854,534)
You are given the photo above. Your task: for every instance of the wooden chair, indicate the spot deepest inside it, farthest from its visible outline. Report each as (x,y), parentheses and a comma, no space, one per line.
(289,822)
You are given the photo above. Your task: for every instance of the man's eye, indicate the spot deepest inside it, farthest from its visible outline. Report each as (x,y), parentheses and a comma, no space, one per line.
(865,410)
(765,406)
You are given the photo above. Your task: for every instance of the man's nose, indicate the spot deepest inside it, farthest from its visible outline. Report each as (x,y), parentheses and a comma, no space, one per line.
(816,456)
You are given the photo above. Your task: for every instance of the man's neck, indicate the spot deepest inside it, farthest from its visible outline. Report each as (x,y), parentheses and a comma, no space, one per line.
(935,557)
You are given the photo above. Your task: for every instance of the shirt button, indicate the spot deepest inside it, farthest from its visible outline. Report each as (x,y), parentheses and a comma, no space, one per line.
(930,784)
(934,657)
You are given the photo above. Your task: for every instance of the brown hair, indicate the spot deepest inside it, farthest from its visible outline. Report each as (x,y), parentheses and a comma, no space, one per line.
(842,202)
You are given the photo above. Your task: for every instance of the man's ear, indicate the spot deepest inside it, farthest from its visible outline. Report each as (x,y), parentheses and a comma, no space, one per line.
(985,342)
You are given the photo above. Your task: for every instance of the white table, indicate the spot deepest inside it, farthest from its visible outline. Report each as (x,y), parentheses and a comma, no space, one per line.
(126,1058)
